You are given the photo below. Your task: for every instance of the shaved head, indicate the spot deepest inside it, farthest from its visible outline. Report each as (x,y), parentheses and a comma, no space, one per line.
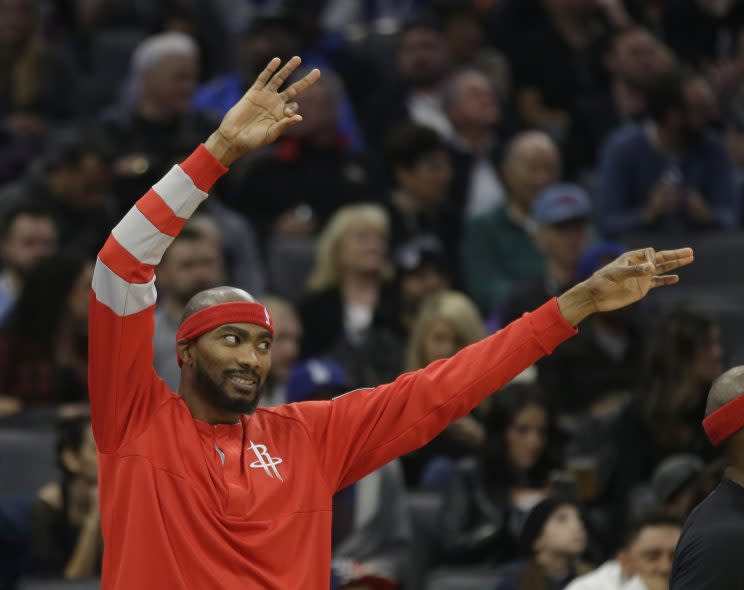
(215,296)
(726,388)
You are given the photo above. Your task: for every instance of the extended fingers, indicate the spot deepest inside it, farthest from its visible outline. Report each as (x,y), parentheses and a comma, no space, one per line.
(663,280)
(268,71)
(284,73)
(667,260)
(301,85)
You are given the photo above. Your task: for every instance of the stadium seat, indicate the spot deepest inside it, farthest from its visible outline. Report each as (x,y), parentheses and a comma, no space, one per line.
(472,578)
(27,460)
(424,508)
(94,584)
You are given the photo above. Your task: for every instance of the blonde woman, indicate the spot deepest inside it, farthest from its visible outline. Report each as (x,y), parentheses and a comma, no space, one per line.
(348,293)
(447,322)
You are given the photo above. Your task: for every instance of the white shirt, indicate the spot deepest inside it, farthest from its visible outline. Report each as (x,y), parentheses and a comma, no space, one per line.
(608,577)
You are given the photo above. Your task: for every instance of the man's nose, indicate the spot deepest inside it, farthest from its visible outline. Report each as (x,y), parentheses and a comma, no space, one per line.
(247,356)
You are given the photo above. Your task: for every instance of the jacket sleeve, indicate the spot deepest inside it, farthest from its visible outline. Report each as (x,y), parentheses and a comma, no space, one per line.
(123,387)
(360,431)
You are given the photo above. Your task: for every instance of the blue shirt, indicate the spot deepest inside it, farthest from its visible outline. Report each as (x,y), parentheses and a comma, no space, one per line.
(630,166)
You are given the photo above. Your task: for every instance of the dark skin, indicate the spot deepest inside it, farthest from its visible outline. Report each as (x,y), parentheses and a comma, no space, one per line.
(726,388)
(235,357)
(223,370)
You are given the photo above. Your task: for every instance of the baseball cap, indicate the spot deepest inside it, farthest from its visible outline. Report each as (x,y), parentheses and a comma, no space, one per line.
(313,376)
(561,202)
(419,250)
(674,473)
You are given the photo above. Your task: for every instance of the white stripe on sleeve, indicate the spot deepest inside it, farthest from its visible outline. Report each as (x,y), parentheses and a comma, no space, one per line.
(179,192)
(141,238)
(121,297)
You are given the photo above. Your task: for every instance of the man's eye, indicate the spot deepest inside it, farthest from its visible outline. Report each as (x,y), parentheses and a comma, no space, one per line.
(265,345)
(230,338)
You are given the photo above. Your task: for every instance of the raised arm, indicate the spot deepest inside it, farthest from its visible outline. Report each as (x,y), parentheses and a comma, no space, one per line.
(358,432)
(124,389)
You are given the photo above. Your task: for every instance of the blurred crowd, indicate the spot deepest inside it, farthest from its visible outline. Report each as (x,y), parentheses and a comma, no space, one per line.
(458,164)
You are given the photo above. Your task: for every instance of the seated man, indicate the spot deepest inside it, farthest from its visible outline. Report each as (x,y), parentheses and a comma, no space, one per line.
(674,173)
(643,563)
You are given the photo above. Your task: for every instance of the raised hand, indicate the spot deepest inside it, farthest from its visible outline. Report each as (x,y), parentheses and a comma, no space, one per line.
(262,114)
(622,282)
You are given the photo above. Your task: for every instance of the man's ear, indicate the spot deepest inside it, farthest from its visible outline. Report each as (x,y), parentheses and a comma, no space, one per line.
(185,351)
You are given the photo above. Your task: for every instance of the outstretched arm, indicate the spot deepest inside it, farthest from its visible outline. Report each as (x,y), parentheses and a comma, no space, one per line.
(124,389)
(358,432)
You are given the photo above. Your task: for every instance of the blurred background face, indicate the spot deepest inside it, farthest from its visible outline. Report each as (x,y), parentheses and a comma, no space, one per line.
(17,22)
(190,266)
(256,50)
(563,533)
(441,341)
(423,57)
(464,36)
(286,347)
(29,239)
(564,243)
(637,58)
(533,165)
(700,106)
(170,84)
(363,248)
(474,102)
(319,109)
(83,462)
(79,298)
(428,179)
(526,436)
(652,553)
(84,185)
(422,282)
(708,362)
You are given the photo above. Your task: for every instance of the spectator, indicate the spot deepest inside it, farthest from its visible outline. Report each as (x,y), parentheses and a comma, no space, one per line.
(27,234)
(490,494)
(498,250)
(285,350)
(634,59)
(464,29)
(561,214)
(153,128)
(421,270)
(683,358)
(73,181)
(553,539)
(673,174)
(643,563)
(421,172)
(469,101)
(313,156)
(557,60)
(54,302)
(347,309)
(237,240)
(56,532)
(35,94)
(423,62)
(701,31)
(371,528)
(674,489)
(596,370)
(191,264)
(447,322)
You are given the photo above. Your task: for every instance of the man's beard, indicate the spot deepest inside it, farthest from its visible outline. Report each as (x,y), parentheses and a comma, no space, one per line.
(218,396)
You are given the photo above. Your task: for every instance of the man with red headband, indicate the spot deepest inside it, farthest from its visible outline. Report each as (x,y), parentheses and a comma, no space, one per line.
(710,550)
(201,490)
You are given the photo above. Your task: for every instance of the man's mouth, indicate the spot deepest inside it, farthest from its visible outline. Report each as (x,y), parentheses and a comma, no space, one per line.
(244,383)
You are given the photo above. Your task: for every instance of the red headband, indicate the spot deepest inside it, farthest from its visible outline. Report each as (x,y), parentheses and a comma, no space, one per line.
(725,421)
(209,318)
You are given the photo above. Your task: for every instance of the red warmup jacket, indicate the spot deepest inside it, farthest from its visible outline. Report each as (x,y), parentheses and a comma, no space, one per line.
(189,505)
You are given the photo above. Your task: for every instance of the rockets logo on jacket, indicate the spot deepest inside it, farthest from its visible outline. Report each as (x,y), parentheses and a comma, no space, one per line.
(265,461)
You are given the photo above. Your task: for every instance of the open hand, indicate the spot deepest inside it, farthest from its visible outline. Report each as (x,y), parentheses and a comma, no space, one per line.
(262,114)
(629,278)
(622,282)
